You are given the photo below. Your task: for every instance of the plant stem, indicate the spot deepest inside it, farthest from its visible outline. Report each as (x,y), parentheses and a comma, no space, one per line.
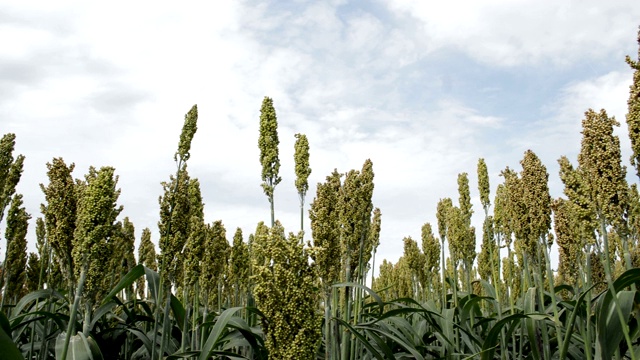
(74,310)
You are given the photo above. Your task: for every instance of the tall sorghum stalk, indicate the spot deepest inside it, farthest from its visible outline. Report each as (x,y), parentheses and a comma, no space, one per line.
(170,250)
(442,213)
(268,143)
(600,159)
(326,252)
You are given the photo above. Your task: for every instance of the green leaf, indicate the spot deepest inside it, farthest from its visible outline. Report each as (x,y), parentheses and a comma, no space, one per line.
(59,318)
(609,327)
(183,355)
(629,277)
(100,312)
(469,306)
(571,322)
(153,281)
(254,340)
(92,346)
(492,340)
(178,311)
(216,332)
(405,311)
(4,323)
(565,287)
(142,337)
(535,342)
(400,341)
(388,353)
(490,290)
(361,338)
(9,350)
(373,294)
(126,281)
(79,348)
(38,294)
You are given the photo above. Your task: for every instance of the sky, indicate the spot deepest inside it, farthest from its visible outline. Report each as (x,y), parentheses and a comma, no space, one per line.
(422,88)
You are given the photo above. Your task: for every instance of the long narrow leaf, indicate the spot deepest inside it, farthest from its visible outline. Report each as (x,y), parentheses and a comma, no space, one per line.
(492,339)
(153,281)
(381,345)
(571,322)
(216,332)
(100,312)
(402,342)
(142,337)
(361,338)
(38,294)
(373,294)
(610,331)
(125,282)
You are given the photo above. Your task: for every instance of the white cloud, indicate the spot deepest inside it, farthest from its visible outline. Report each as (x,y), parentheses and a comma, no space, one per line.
(524,32)
(559,134)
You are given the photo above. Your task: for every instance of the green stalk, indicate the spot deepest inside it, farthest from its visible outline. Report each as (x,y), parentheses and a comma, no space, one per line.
(162,269)
(472,318)
(512,306)
(87,316)
(194,324)
(185,325)
(301,215)
(328,339)
(358,293)
(524,285)
(335,338)
(166,326)
(508,286)
(236,301)
(33,334)
(455,281)
(71,279)
(6,272)
(74,310)
(47,323)
(40,286)
(495,272)
(346,336)
(554,301)
(219,296)
(456,332)
(273,221)
(588,307)
(205,313)
(627,255)
(157,315)
(625,329)
(444,281)
(467,273)
(356,309)
(543,327)
(373,267)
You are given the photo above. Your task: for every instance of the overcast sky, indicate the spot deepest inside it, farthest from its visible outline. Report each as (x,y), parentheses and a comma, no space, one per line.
(422,88)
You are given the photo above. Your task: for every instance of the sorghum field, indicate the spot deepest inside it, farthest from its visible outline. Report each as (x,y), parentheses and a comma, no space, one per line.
(279,295)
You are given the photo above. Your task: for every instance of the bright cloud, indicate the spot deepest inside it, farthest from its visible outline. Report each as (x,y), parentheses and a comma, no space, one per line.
(523,32)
